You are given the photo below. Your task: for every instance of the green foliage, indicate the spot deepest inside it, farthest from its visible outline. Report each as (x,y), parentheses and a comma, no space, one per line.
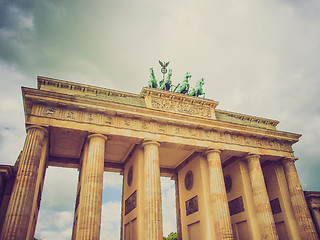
(171,236)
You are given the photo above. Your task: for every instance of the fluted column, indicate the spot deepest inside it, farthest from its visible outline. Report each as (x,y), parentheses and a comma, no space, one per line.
(218,196)
(20,206)
(152,192)
(298,201)
(91,190)
(261,200)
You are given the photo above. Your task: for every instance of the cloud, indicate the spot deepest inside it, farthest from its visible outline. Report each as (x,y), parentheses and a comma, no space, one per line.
(54,225)
(59,192)
(110,220)
(12,133)
(112,180)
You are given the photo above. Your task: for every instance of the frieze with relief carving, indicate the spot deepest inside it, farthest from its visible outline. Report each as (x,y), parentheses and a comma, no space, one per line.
(107,119)
(193,132)
(90,117)
(71,115)
(163,104)
(162,128)
(181,107)
(50,111)
(144,126)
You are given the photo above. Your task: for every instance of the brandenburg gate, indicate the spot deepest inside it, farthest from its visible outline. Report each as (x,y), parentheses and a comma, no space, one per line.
(235,176)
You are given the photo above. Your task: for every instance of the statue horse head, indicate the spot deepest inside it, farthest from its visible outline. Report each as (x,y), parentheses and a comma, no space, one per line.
(169,74)
(184,87)
(152,82)
(187,77)
(200,83)
(151,72)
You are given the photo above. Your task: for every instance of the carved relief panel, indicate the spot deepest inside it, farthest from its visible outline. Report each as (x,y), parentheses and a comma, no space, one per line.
(181,107)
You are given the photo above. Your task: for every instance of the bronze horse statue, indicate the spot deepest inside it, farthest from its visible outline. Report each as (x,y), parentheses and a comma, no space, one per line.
(184,88)
(152,82)
(198,90)
(166,85)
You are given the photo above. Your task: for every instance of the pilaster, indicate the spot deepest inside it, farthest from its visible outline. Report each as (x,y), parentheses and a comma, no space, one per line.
(261,200)
(298,201)
(218,196)
(152,191)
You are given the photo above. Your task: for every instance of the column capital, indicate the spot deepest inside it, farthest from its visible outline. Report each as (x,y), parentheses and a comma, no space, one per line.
(97,135)
(37,127)
(251,155)
(147,142)
(212,150)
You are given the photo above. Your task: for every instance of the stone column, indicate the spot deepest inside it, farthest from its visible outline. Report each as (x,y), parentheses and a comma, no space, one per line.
(298,201)
(261,200)
(20,206)
(218,196)
(291,225)
(152,192)
(91,190)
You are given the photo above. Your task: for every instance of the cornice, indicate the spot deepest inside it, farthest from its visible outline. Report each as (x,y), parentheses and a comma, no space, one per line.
(71,86)
(242,118)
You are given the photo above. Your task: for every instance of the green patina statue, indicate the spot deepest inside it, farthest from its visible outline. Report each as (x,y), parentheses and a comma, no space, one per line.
(180,88)
(166,85)
(184,87)
(152,82)
(198,91)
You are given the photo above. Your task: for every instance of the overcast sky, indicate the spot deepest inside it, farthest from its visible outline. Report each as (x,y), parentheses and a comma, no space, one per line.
(258,57)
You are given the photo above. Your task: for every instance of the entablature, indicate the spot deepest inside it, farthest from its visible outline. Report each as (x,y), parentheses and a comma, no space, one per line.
(49,108)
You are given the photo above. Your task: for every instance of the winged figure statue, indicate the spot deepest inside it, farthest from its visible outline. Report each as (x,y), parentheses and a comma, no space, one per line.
(164,64)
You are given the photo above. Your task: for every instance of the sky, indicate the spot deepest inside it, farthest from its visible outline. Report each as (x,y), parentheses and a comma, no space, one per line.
(257,57)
